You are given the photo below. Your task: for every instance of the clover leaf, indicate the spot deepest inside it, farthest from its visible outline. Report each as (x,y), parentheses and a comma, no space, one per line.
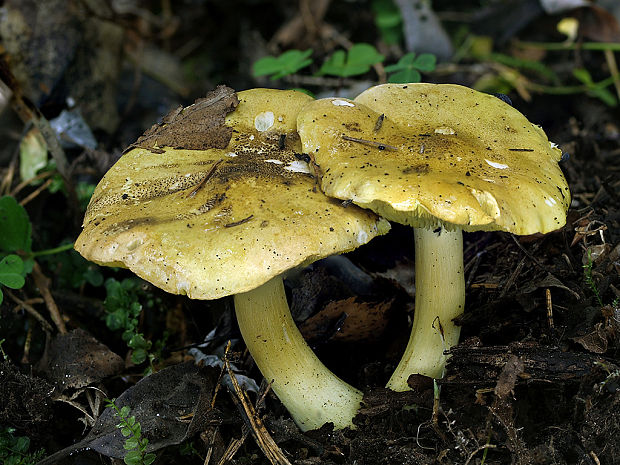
(409,66)
(11,273)
(357,60)
(287,63)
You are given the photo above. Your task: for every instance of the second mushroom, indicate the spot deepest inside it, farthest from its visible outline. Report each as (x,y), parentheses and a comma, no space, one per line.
(442,159)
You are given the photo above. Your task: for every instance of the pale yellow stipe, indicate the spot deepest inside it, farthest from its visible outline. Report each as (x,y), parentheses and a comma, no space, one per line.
(439,298)
(310,392)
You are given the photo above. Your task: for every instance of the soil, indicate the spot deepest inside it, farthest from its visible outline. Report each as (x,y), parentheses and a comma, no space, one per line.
(536,376)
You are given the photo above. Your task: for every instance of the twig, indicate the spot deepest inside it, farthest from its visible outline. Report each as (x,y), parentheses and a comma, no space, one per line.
(513,277)
(30,309)
(30,114)
(549,309)
(613,68)
(42,283)
(471,456)
(204,180)
(7,180)
(525,251)
(27,182)
(372,143)
(36,193)
(234,446)
(262,437)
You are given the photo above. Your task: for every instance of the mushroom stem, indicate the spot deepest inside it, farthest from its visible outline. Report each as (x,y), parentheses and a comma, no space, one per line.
(439,298)
(311,393)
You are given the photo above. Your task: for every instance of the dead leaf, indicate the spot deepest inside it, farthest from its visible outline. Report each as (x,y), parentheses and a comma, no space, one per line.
(596,23)
(170,405)
(76,359)
(595,341)
(547,281)
(508,377)
(197,127)
(348,320)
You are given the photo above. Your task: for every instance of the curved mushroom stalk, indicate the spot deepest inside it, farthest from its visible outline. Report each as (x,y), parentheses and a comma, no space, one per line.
(439,298)
(309,391)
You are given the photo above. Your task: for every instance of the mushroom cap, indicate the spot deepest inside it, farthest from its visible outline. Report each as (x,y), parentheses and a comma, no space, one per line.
(210,222)
(437,154)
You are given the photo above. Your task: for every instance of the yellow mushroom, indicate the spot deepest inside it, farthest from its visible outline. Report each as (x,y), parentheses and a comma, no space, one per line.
(217,201)
(442,159)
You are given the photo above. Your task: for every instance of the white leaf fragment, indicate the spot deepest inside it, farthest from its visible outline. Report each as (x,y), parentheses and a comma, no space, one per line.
(342,103)
(298,166)
(445,130)
(264,121)
(494,164)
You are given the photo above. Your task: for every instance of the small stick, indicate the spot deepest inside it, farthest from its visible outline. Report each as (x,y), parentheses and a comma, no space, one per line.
(262,437)
(513,277)
(205,179)
(549,309)
(42,283)
(379,122)
(237,223)
(27,182)
(30,309)
(372,143)
(34,194)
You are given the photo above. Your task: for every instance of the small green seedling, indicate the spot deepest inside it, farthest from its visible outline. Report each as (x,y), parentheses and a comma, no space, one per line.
(135,444)
(587,273)
(287,63)
(123,313)
(410,66)
(14,449)
(357,60)
(594,89)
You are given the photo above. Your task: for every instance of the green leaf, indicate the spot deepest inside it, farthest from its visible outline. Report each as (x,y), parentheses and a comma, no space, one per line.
(131,443)
(357,60)
(604,95)
(139,356)
(594,89)
(126,431)
(425,62)
(125,411)
(149,459)
(138,342)
(133,457)
(388,20)
(15,228)
(12,272)
(584,76)
(405,62)
(21,445)
(287,63)
(405,76)
(409,66)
